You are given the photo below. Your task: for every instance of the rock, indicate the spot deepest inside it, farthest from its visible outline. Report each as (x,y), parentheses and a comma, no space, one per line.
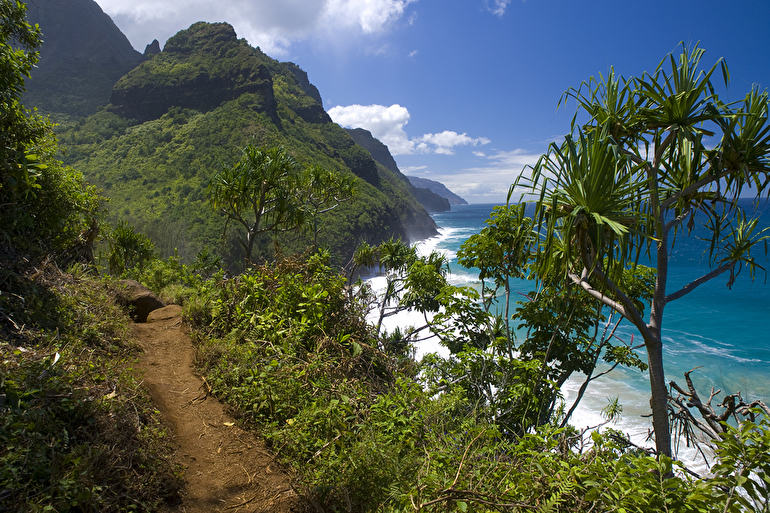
(139,299)
(304,83)
(165,313)
(152,48)
(199,68)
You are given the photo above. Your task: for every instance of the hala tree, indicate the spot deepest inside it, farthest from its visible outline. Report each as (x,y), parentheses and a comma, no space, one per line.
(654,152)
(266,191)
(568,331)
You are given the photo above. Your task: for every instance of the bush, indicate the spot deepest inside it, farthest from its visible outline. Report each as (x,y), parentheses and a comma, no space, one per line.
(287,346)
(77,433)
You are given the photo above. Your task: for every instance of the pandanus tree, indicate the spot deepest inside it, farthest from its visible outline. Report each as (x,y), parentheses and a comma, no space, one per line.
(649,158)
(266,191)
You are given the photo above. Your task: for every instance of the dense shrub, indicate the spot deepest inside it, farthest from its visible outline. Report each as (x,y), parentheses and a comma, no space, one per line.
(287,346)
(77,433)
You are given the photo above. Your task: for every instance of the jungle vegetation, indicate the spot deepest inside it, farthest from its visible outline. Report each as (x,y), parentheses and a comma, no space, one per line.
(154,158)
(362,425)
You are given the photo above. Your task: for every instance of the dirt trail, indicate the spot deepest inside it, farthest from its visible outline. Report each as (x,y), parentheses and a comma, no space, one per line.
(226,468)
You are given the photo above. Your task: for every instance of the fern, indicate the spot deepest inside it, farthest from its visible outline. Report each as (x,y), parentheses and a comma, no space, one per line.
(559,497)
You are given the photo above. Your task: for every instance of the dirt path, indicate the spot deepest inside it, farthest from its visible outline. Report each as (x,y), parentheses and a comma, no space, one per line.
(226,468)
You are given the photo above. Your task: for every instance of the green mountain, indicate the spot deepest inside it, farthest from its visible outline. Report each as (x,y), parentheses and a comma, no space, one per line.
(82,57)
(427,198)
(180,115)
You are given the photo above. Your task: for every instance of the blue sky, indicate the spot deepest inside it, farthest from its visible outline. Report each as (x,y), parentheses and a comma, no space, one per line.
(466,91)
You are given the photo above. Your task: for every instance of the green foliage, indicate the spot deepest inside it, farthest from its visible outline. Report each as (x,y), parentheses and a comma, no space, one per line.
(53,209)
(265,191)
(420,284)
(128,249)
(741,476)
(567,330)
(19,43)
(77,433)
(46,207)
(655,151)
(156,172)
(288,347)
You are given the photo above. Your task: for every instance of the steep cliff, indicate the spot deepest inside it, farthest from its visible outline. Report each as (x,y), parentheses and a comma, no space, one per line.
(199,68)
(437,188)
(83,55)
(432,202)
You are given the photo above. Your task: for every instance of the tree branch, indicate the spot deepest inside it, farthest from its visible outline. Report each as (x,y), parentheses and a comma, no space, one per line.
(624,307)
(677,220)
(693,188)
(607,301)
(700,281)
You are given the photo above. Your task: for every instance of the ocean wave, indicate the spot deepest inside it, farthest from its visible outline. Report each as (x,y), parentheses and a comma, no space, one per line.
(688,343)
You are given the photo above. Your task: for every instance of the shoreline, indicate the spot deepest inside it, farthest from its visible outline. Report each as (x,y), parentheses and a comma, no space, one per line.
(634,400)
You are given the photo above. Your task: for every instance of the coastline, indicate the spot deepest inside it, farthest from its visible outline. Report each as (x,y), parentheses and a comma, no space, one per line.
(631,387)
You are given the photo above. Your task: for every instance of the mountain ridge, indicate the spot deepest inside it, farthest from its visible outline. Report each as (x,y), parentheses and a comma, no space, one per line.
(429,199)
(437,188)
(154,148)
(77,68)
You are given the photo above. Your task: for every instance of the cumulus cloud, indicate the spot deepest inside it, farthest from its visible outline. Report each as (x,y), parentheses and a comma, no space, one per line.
(447,140)
(370,15)
(266,23)
(387,125)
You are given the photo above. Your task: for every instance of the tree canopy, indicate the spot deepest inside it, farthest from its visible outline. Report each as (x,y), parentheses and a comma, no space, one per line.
(266,191)
(647,159)
(44,205)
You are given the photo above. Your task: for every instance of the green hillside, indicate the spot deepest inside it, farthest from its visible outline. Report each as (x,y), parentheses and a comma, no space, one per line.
(180,116)
(82,57)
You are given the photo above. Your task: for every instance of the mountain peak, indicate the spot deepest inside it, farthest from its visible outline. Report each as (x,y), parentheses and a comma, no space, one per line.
(199,68)
(152,49)
(83,55)
(202,37)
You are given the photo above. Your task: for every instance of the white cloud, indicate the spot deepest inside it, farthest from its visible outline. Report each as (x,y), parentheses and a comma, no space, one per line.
(387,125)
(488,183)
(410,170)
(270,24)
(498,7)
(447,140)
(370,15)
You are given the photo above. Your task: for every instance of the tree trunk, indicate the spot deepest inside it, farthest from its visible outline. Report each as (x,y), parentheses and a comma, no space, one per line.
(654,343)
(659,397)
(250,236)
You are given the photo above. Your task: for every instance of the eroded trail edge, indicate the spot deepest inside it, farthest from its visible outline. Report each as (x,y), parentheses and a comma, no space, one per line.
(225,467)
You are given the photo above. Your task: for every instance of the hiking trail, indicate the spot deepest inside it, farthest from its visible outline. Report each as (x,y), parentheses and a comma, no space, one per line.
(226,469)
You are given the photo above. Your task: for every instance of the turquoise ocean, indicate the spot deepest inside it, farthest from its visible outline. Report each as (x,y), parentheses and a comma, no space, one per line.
(724,332)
